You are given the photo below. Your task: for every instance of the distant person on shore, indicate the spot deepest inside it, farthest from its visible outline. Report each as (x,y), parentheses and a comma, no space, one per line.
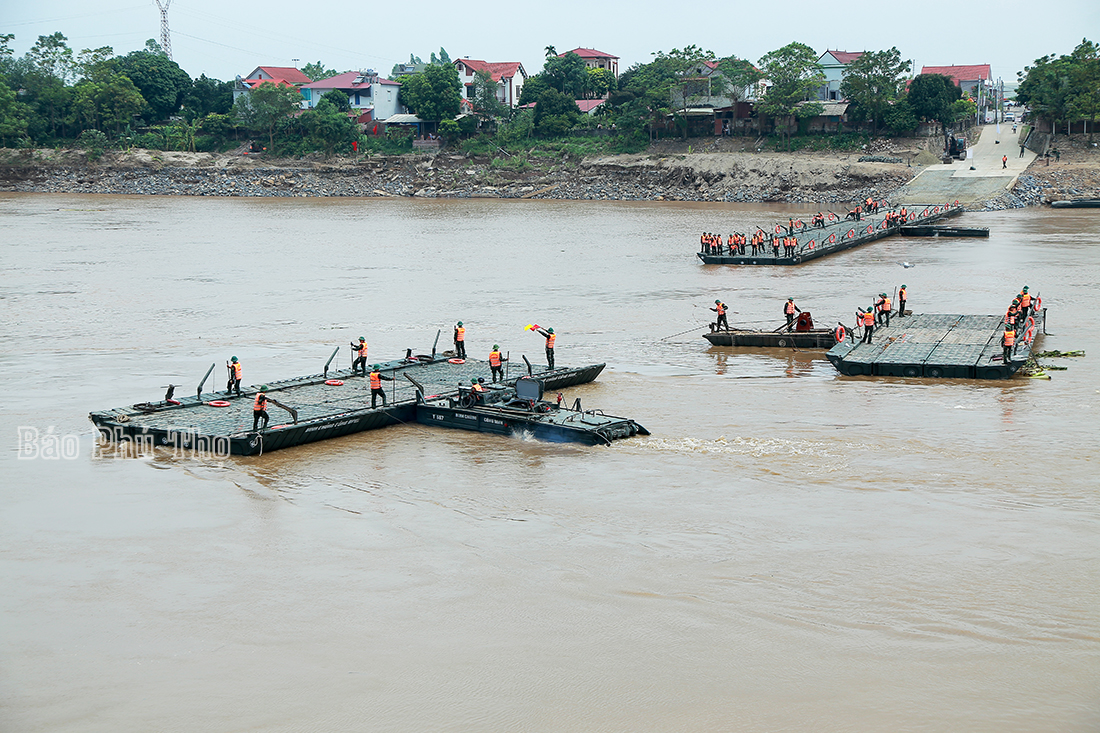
(789,309)
(1004,161)
(901,301)
(720,309)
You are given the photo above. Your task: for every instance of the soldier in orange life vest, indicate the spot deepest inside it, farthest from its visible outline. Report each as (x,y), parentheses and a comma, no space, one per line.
(360,350)
(1025,302)
(789,309)
(882,305)
(720,309)
(868,319)
(259,409)
(376,390)
(1008,342)
(460,341)
(901,302)
(495,364)
(235,371)
(550,339)
(477,392)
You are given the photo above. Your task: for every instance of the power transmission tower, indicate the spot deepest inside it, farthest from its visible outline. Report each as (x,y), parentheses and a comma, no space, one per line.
(165,38)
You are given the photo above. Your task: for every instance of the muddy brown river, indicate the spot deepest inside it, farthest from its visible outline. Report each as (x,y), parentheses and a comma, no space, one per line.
(791,550)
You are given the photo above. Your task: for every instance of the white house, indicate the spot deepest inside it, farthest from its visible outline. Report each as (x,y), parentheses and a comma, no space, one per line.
(373,98)
(509,76)
(833,64)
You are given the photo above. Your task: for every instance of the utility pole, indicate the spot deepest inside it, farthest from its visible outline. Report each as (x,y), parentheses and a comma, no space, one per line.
(165,37)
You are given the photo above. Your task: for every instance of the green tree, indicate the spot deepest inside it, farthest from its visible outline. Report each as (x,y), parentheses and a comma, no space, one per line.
(13,117)
(317,71)
(218,127)
(568,74)
(434,94)
(1063,88)
(795,75)
(738,76)
(551,51)
(327,128)
(1084,102)
(337,99)
(485,102)
(931,97)
(443,59)
(265,106)
(899,117)
(109,103)
(92,63)
(555,114)
(207,96)
(162,83)
(599,83)
(871,82)
(532,88)
(53,57)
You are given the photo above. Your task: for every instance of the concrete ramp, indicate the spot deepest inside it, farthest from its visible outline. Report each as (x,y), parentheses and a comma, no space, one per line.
(991,175)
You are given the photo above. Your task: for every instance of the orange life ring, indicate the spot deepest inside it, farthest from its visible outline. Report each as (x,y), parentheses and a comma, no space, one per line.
(1030,323)
(924,213)
(832,238)
(218,403)
(885,224)
(851,233)
(1038,303)
(840,333)
(1029,335)
(798,223)
(936,210)
(956,202)
(812,243)
(778,229)
(457,361)
(832,216)
(912,217)
(870,228)
(334,383)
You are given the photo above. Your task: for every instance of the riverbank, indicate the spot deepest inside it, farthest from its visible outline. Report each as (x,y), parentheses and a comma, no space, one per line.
(714,169)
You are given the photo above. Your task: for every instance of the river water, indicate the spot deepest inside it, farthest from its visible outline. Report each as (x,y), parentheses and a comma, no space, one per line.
(790,550)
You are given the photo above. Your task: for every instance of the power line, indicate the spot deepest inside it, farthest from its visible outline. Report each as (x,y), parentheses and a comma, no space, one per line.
(73,17)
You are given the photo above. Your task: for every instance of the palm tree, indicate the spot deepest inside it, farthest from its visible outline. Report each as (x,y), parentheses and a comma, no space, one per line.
(551,51)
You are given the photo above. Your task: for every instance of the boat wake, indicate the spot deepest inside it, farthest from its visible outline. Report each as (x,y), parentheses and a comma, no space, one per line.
(755,447)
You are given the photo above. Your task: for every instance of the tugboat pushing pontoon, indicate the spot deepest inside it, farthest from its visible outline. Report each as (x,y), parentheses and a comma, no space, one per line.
(508,412)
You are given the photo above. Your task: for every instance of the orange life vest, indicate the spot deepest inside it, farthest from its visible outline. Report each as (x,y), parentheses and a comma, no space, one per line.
(789,308)
(477,387)
(1025,300)
(261,402)
(721,307)
(237,370)
(375,380)
(494,358)
(901,294)
(868,318)
(550,340)
(1010,338)
(886,304)
(460,334)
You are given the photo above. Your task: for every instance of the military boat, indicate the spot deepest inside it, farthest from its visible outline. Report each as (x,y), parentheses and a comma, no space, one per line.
(505,411)
(803,336)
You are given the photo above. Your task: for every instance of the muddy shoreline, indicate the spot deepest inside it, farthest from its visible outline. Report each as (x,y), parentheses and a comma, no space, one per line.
(713,175)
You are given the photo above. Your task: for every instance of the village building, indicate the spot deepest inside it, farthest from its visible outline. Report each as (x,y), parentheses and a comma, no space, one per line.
(833,65)
(372,97)
(508,75)
(594,59)
(281,75)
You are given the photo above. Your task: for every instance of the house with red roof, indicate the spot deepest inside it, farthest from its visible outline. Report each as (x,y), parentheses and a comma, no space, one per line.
(967,78)
(282,75)
(509,76)
(833,64)
(370,97)
(594,59)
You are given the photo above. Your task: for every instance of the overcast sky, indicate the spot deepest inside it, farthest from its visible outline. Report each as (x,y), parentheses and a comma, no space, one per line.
(223,39)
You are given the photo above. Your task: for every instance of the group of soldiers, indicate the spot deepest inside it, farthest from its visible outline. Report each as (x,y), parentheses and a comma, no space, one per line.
(879,313)
(758,242)
(260,415)
(1016,318)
